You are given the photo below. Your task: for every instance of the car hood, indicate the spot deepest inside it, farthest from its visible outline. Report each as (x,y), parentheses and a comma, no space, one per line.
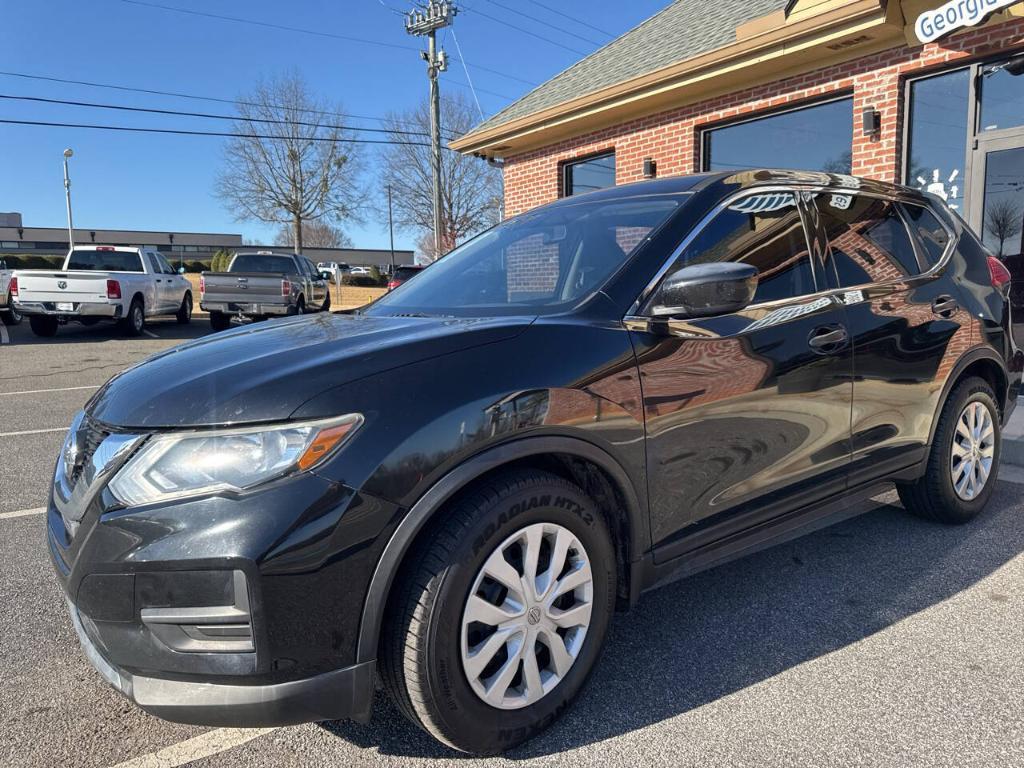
(265,371)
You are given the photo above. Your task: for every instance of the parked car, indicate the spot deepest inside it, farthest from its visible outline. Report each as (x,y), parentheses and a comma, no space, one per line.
(263,284)
(335,268)
(359,271)
(102,282)
(402,274)
(456,486)
(8,314)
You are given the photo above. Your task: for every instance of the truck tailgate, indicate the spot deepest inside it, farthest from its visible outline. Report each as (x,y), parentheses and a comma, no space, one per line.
(77,286)
(244,287)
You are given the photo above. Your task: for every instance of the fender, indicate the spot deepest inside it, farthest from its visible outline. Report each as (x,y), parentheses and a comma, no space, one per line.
(431,501)
(972,355)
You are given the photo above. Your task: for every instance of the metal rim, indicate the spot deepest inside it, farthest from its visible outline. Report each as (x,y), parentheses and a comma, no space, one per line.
(137,317)
(973,450)
(526,616)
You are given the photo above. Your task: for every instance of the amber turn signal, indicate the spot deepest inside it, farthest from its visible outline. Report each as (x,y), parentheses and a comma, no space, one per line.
(324,443)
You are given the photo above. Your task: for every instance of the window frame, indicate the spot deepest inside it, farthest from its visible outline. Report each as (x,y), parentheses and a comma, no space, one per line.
(641,308)
(564,170)
(705,131)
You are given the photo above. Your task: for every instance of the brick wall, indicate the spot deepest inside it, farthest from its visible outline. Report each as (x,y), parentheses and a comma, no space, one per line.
(672,138)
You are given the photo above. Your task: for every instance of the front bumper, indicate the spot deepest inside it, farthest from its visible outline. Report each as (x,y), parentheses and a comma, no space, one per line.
(78,309)
(242,308)
(342,694)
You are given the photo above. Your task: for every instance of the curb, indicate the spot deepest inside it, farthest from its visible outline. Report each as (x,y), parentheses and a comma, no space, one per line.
(1013,438)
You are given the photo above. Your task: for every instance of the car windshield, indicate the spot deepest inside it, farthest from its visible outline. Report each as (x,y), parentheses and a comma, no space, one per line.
(262,262)
(105,261)
(541,262)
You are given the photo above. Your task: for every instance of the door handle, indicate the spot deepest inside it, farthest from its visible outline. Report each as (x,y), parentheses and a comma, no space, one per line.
(827,338)
(945,306)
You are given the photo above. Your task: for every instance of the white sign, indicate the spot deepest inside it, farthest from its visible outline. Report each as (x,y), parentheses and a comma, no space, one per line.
(954,15)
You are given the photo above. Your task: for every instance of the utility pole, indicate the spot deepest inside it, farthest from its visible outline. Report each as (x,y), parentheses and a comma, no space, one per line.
(67,194)
(391,233)
(425,22)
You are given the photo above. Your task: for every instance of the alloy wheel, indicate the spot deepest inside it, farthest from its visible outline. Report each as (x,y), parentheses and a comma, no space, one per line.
(526,616)
(973,450)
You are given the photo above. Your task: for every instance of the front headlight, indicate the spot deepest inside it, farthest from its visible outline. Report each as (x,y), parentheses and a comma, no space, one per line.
(185,464)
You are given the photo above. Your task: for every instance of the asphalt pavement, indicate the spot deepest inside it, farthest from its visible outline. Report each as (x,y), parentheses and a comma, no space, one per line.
(882,641)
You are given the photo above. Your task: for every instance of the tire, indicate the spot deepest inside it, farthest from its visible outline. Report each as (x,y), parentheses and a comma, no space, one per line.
(134,323)
(44,326)
(300,306)
(11,316)
(184,314)
(935,496)
(326,306)
(422,658)
(220,321)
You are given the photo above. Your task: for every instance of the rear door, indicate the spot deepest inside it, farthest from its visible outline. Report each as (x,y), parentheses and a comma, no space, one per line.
(908,328)
(748,414)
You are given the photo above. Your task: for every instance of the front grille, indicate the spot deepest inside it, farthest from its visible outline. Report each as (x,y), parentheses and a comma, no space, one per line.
(81,447)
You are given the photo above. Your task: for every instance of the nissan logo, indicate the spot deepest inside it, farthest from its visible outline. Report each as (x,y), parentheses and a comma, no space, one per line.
(62,284)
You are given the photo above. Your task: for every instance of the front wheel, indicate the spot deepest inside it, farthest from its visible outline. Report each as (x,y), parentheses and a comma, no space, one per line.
(326,306)
(501,614)
(964,457)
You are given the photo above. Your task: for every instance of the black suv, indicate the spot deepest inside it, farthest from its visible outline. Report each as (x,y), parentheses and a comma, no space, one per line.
(456,486)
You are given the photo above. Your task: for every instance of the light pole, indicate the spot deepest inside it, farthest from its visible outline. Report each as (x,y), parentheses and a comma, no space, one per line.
(391,232)
(67,193)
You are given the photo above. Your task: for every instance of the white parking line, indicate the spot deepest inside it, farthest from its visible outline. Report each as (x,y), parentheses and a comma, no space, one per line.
(33,432)
(4,338)
(151,334)
(40,391)
(22,513)
(209,743)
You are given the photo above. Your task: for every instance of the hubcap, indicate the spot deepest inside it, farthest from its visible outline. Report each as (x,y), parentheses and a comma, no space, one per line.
(973,451)
(527,616)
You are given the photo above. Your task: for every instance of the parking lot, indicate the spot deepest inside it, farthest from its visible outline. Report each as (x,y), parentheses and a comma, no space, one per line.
(884,640)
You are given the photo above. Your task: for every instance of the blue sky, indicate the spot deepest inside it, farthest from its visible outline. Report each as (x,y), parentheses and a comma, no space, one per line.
(147,181)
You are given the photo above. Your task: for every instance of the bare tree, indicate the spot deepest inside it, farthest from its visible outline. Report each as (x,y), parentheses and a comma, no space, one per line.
(1003,220)
(289,162)
(471,189)
(315,234)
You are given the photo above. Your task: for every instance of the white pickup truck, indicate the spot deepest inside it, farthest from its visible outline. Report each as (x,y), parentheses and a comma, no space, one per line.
(8,314)
(102,282)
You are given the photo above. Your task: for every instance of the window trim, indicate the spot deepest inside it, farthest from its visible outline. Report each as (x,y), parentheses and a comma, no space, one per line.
(565,165)
(633,315)
(705,131)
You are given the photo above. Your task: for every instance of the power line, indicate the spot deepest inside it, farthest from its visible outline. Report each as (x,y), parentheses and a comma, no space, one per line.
(524,30)
(304,31)
(466,70)
(545,23)
(225,134)
(571,18)
(195,97)
(210,116)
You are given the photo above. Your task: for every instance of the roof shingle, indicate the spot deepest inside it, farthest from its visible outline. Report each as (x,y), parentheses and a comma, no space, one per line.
(683,30)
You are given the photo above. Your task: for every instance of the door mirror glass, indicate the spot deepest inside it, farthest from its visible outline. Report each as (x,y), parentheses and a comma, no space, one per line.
(706,290)
(181,270)
(326,275)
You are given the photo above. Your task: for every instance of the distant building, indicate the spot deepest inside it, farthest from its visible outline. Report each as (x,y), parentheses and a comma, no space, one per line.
(177,247)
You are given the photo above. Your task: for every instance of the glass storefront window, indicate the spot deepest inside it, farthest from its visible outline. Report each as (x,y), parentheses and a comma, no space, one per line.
(589,174)
(1002,95)
(816,138)
(939,109)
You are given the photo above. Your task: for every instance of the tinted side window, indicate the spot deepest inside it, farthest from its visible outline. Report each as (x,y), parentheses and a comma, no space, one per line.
(868,239)
(765,231)
(931,235)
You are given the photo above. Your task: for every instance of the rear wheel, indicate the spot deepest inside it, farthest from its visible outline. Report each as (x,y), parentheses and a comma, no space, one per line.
(134,323)
(964,458)
(11,316)
(220,321)
(184,314)
(501,614)
(300,306)
(43,325)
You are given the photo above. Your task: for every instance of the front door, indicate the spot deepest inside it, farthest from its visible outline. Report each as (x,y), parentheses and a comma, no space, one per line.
(748,414)
(997,203)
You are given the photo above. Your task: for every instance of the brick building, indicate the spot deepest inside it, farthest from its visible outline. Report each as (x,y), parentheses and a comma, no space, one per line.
(845,87)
